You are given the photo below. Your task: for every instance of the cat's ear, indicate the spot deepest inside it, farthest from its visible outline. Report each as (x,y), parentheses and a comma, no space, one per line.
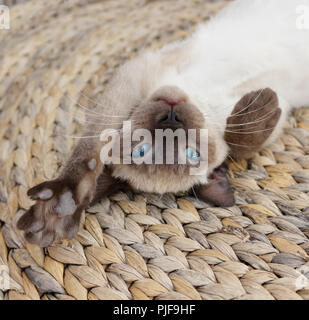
(218,191)
(251,123)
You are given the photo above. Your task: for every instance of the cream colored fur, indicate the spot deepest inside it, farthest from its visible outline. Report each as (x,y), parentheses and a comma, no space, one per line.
(249,45)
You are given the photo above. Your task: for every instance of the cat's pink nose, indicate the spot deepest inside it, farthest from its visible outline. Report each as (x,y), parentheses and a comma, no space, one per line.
(171,102)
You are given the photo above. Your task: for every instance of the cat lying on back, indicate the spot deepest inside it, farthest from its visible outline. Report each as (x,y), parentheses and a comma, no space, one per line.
(236,76)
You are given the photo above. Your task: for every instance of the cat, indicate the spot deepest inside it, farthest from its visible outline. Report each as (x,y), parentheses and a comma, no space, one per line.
(236,77)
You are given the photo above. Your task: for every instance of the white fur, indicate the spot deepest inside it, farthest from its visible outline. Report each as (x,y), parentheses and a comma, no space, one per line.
(249,45)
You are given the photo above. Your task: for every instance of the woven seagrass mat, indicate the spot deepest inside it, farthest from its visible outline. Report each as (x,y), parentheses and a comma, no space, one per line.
(59,54)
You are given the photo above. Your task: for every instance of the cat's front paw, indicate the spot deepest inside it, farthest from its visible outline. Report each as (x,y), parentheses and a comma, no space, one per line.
(55,215)
(252,121)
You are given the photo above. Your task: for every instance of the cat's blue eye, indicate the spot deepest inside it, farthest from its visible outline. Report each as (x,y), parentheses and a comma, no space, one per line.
(141,150)
(193,155)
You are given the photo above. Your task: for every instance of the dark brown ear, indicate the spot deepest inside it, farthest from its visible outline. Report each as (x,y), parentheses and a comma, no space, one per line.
(252,121)
(218,192)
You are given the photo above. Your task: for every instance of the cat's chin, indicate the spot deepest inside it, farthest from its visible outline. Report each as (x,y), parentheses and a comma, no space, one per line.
(157,179)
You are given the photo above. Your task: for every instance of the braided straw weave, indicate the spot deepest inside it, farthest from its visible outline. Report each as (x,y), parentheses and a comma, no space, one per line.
(59,54)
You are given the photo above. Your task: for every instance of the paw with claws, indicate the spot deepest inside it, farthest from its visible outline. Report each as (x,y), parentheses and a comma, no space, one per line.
(251,123)
(56,213)
(218,191)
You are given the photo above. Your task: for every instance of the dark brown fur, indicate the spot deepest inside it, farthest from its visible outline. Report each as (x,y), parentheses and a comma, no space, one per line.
(218,191)
(108,185)
(252,107)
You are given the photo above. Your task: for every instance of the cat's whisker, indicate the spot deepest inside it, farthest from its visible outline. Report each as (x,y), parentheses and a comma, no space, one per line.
(250,104)
(252,122)
(102,123)
(262,118)
(231,158)
(194,194)
(91,112)
(99,123)
(243,129)
(96,103)
(80,117)
(77,137)
(75,102)
(239,145)
(245,107)
(242,114)
(249,132)
(95,134)
(239,113)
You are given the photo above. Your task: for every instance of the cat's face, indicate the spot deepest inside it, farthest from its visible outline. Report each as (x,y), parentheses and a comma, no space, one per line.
(175,146)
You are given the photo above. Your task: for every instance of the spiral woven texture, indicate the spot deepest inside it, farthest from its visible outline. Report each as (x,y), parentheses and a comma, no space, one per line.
(55,60)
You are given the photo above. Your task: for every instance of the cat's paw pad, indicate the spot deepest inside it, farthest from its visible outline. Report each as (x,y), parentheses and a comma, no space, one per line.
(55,215)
